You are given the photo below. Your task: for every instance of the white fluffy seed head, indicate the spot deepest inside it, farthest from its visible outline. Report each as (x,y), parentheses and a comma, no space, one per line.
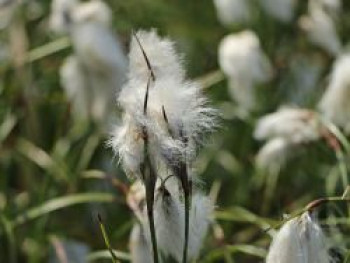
(177,113)
(241,57)
(282,10)
(232,11)
(292,124)
(321,31)
(300,240)
(334,104)
(245,65)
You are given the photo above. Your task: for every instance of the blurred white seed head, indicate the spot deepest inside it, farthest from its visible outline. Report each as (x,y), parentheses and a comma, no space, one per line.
(232,11)
(100,67)
(73,81)
(299,240)
(274,154)
(94,11)
(282,10)
(292,124)
(321,30)
(61,15)
(334,104)
(245,65)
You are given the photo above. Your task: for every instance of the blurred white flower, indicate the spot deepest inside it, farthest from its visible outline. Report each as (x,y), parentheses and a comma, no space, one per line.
(273,155)
(61,15)
(292,124)
(321,30)
(139,247)
(299,240)
(73,80)
(232,11)
(284,130)
(282,10)
(100,66)
(245,65)
(334,104)
(176,109)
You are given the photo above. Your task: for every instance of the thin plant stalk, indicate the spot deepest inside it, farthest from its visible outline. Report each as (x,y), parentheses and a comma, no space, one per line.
(106,239)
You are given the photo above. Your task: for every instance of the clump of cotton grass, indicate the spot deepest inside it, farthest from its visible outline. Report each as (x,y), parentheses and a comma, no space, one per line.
(320,29)
(97,69)
(285,130)
(245,66)
(300,239)
(334,104)
(231,12)
(165,118)
(282,10)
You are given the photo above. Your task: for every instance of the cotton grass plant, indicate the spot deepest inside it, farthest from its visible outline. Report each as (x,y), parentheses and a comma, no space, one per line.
(165,118)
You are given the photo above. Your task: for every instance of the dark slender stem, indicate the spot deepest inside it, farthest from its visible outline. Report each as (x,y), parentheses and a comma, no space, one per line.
(150,183)
(187,221)
(145,56)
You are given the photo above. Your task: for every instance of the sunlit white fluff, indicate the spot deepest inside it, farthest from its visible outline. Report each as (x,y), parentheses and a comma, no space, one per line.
(139,247)
(170,221)
(282,10)
(186,110)
(127,140)
(334,104)
(293,124)
(245,65)
(300,240)
(273,155)
(232,11)
(321,31)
